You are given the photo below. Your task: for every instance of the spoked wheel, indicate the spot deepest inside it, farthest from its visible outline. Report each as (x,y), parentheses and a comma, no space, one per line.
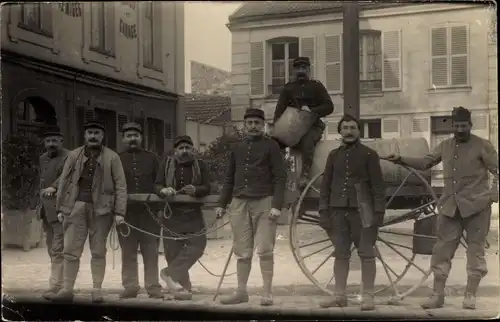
(396,251)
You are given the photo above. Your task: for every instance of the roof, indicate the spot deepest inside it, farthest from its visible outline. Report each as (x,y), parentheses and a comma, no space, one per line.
(256,11)
(208,109)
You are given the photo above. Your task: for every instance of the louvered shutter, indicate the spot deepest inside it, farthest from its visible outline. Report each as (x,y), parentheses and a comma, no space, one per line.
(459,55)
(333,60)
(391,128)
(46,17)
(257,68)
(96,12)
(307,49)
(421,128)
(331,129)
(439,53)
(109,27)
(157,36)
(89,114)
(391,61)
(121,120)
(480,125)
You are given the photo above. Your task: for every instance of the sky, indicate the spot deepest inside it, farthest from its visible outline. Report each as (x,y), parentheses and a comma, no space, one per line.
(207,38)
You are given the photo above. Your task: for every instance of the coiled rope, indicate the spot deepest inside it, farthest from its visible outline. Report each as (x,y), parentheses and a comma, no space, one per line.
(125,230)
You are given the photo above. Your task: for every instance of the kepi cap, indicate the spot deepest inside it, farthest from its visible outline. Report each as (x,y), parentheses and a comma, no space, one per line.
(183,139)
(94,124)
(301,61)
(52,131)
(132,126)
(460,114)
(254,112)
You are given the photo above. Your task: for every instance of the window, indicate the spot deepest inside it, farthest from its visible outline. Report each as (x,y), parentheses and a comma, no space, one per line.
(441,129)
(152,40)
(37,18)
(450,56)
(370,61)
(110,124)
(102,24)
(371,129)
(282,56)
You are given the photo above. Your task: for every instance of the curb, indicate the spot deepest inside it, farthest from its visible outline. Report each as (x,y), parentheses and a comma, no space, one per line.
(299,290)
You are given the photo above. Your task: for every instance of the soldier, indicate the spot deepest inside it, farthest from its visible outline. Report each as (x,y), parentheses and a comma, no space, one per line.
(91,195)
(182,173)
(51,165)
(464,205)
(308,95)
(255,181)
(140,168)
(340,213)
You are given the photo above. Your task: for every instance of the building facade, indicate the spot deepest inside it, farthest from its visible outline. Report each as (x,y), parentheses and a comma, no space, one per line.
(417,62)
(63,63)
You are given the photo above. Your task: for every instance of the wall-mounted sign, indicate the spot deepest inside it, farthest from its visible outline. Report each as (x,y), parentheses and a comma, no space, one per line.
(72,9)
(128,20)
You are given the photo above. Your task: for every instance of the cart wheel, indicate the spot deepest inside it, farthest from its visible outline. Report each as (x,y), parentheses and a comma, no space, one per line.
(313,249)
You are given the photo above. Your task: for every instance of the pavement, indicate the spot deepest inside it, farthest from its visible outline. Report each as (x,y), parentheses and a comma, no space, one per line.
(25,274)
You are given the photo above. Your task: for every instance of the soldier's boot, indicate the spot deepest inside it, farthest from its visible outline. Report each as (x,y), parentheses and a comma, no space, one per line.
(129,293)
(183,295)
(267,271)
(70,272)
(56,279)
(98,269)
(155,292)
(368,273)
(436,300)
(341,272)
(470,293)
(243,267)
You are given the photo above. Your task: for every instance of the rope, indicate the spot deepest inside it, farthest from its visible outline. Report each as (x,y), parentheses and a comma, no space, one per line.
(115,230)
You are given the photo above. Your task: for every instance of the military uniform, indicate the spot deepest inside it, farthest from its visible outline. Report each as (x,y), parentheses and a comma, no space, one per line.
(347,166)
(185,218)
(313,94)
(140,169)
(50,169)
(464,205)
(254,184)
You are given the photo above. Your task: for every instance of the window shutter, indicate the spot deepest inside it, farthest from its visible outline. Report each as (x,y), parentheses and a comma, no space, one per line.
(89,114)
(391,62)
(307,49)
(333,59)
(480,125)
(46,17)
(257,68)
(121,120)
(95,23)
(421,128)
(109,27)
(439,53)
(157,36)
(331,132)
(459,55)
(391,128)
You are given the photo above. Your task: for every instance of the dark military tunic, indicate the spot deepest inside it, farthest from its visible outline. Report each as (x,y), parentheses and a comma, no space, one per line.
(338,204)
(50,170)
(140,168)
(313,94)
(255,170)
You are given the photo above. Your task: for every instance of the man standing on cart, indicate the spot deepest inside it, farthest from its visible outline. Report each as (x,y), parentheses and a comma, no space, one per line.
(255,186)
(51,165)
(182,173)
(351,207)
(140,169)
(308,95)
(465,204)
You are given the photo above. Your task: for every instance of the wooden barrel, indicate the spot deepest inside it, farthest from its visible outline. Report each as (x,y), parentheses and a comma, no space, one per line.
(393,174)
